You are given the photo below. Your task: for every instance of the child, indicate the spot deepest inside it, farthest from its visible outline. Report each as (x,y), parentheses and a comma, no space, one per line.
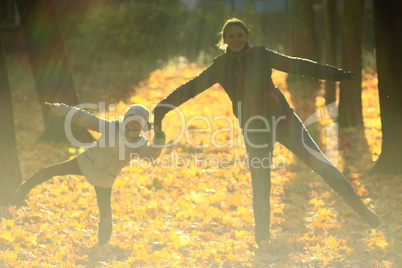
(103,161)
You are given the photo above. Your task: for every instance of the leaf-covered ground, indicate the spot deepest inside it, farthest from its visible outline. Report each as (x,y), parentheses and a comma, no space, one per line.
(193,208)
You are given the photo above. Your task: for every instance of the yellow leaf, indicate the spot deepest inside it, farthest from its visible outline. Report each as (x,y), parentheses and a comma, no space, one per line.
(7,236)
(11,255)
(240,234)
(324,211)
(142,253)
(387,264)
(75,214)
(381,243)
(316,201)
(362,191)
(333,242)
(10,223)
(59,256)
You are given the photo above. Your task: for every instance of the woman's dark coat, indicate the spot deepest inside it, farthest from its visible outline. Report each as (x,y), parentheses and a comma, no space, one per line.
(246,78)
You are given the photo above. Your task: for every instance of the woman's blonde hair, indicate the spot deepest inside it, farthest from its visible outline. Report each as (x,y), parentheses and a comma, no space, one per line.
(230,22)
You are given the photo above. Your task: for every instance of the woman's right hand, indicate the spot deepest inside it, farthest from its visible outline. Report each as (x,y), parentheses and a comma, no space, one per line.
(158,122)
(158,127)
(160,134)
(159,113)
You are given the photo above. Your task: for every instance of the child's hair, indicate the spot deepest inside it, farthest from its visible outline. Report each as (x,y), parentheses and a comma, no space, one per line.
(230,22)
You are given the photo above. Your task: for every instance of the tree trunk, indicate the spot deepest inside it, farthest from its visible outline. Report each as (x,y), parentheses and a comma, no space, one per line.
(302,44)
(7,14)
(388,29)
(302,39)
(330,47)
(10,173)
(350,99)
(50,66)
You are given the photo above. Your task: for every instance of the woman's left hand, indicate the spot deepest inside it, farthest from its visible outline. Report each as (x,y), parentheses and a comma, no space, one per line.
(348,75)
(51,106)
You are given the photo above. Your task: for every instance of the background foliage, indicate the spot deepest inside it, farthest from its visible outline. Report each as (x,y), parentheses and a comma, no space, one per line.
(140,36)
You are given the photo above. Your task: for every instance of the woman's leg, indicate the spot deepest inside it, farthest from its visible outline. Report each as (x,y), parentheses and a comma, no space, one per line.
(259,161)
(103,196)
(293,134)
(44,174)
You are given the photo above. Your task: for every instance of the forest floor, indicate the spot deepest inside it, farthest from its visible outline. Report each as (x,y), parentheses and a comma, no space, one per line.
(194,207)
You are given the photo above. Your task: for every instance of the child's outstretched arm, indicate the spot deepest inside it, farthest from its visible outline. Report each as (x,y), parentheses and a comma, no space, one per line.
(78,116)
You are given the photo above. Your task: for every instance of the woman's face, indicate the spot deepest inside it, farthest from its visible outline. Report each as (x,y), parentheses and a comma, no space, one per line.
(236,38)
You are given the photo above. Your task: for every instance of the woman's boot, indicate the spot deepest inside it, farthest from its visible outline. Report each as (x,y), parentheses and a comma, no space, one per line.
(367,214)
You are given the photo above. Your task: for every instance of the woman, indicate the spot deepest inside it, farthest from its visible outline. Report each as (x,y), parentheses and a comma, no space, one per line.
(102,162)
(245,74)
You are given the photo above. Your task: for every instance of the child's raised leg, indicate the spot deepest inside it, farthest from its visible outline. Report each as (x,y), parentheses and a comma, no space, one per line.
(59,169)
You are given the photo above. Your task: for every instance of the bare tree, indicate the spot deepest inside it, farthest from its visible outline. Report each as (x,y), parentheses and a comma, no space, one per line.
(302,43)
(10,173)
(302,39)
(330,46)
(49,64)
(388,29)
(350,100)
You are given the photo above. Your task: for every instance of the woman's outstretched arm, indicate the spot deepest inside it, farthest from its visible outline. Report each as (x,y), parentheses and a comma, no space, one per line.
(305,67)
(183,93)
